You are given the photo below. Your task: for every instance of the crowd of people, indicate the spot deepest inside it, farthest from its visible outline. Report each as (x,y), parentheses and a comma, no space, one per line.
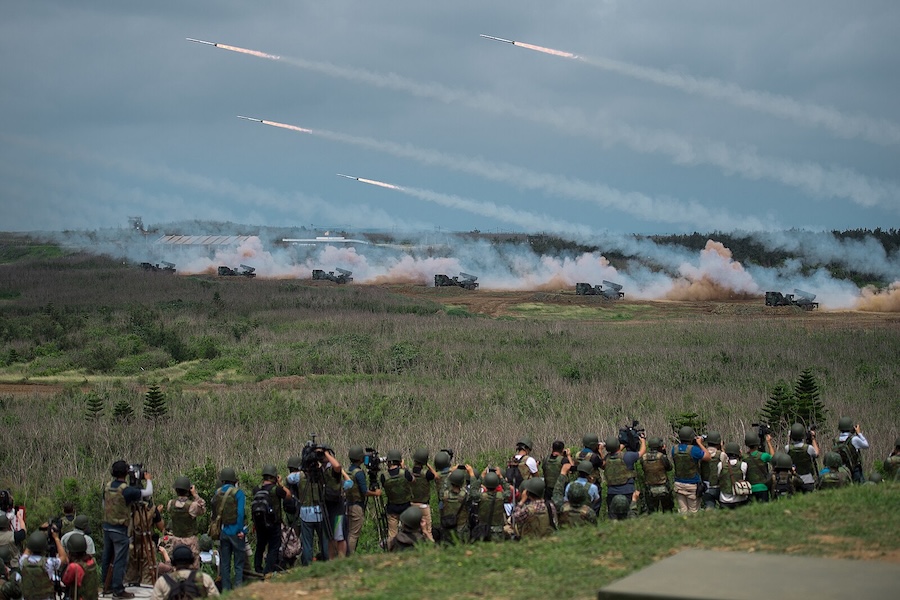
(317,511)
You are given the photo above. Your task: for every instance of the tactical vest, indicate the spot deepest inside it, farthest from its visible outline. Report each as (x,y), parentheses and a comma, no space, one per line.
(396,487)
(587,455)
(420,488)
(730,475)
(849,453)
(484,509)
(552,466)
(334,486)
(654,466)
(183,524)
(616,471)
(833,479)
(90,583)
(538,522)
(36,584)
(784,483)
(575,516)
(454,507)
(803,462)
(709,471)
(8,539)
(66,524)
(354,494)
(757,470)
(115,509)
(685,466)
(226,505)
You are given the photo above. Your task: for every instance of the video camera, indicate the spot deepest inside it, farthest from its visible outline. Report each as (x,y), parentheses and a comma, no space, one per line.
(810,433)
(136,475)
(371,459)
(630,436)
(762,430)
(313,455)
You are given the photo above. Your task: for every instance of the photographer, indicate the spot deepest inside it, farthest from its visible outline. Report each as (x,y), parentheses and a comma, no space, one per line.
(656,466)
(396,485)
(619,469)
(320,485)
(687,457)
(267,517)
(848,444)
(38,571)
(423,476)
(117,501)
(183,512)
(552,465)
(356,497)
(12,540)
(758,473)
(804,456)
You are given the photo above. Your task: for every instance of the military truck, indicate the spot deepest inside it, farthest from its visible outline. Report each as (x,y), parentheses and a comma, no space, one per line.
(464,280)
(344,276)
(246,271)
(155,268)
(607,290)
(799,298)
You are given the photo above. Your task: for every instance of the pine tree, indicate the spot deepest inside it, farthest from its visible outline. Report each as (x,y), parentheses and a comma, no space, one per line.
(122,410)
(155,403)
(689,419)
(808,406)
(777,412)
(94,406)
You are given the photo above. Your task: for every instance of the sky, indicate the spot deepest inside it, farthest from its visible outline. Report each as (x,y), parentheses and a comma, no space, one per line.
(655,117)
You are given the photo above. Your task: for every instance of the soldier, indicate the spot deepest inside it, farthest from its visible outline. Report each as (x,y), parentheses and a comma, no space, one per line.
(624,507)
(228,506)
(656,465)
(687,457)
(397,489)
(785,480)
(892,463)
(488,500)
(81,578)
(356,497)
(835,474)
(848,444)
(804,456)
(732,472)
(758,465)
(35,567)
(410,531)
(423,476)
(533,517)
(584,478)
(709,471)
(577,511)
(183,582)
(183,512)
(552,465)
(454,513)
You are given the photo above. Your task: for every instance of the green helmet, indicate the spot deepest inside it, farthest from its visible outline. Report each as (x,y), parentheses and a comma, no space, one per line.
(394,456)
(535,487)
(782,460)
(833,460)
(655,443)
(457,478)
(751,438)
(577,494)
(491,480)
(205,542)
(4,522)
(183,484)
(420,456)
(798,432)
(590,440)
(6,555)
(619,505)
(269,471)
(441,460)
(732,449)
(845,424)
(525,441)
(81,522)
(714,437)
(356,453)
(37,542)
(686,434)
(295,462)
(585,467)
(227,475)
(412,517)
(76,543)
(612,444)
(875,477)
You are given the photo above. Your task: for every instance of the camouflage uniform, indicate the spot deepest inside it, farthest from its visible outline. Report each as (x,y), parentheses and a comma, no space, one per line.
(534,518)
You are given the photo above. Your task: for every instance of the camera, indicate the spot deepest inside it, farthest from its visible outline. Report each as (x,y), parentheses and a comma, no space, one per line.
(135,475)
(811,432)
(313,455)
(630,436)
(371,459)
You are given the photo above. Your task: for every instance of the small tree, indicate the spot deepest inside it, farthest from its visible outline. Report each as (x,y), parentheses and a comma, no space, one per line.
(94,406)
(776,412)
(122,410)
(689,419)
(808,406)
(155,403)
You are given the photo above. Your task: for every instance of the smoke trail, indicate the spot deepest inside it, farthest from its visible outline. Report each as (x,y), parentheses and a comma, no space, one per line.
(814,179)
(635,203)
(879,131)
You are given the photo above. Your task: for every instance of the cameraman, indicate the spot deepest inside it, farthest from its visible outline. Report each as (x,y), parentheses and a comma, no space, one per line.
(619,469)
(396,484)
(319,484)
(356,497)
(117,500)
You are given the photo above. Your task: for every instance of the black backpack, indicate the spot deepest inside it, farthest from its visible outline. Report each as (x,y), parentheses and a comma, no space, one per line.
(263,510)
(184,589)
(513,474)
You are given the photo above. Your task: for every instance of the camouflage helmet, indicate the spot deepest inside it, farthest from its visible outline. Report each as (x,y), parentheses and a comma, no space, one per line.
(585,467)
(205,542)
(619,505)
(655,443)
(686,434)
(295,463)
(76,543)
(37,542)
(714,437)
(875,477)
(590,440)
(525,441)
(833,460)
(182,555)
(441,460)
(182,483)
(782,460)
(356,453)
(412,517)
(4,522)
(457,478)
(733,449)
(227,475)
(612,443)
(798,432)
(845,424)
(420,456)
(751,438)
(535,486)
(577,494)
(491,480)
(394,456)
(269,471)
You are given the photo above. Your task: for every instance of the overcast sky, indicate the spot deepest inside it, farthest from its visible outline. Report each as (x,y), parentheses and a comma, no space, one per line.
(677,116)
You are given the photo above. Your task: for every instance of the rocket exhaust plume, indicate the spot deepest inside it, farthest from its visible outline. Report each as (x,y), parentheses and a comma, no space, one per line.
(238,49)
(561,53)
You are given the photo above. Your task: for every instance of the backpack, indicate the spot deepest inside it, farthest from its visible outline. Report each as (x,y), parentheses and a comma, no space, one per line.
(849,453)
(184,589)
(263,509)
(290,542)
(552,466)
(514,473)
(784,483)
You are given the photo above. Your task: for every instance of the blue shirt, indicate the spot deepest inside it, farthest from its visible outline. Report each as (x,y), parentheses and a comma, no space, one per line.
(697,455)
(241,498)
(593,491)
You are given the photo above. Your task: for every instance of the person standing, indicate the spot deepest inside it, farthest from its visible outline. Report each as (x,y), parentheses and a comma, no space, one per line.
(356,497)
(687,457)
(848,444)
(230,502)
(758,463)
(804,456)
(183,513)
(117,500)
(267,519)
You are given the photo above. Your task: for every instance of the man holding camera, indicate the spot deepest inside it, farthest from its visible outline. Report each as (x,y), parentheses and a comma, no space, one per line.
(319,483)
(758,463)
(356,497)
(118,497)
(183,512)
(686,457)
(267,516)
(398,491)
(619,469)
(848,444)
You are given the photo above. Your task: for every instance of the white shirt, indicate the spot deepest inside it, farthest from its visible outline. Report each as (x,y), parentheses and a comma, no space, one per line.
(729,498)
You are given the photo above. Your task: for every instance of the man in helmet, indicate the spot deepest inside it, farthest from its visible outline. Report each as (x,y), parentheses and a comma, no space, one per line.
(590,452)
(656,466)
(624,507)
(804,456)
(356,496)
(785,481)
(732,471)
(183,512)
(584,479)
(533,517)
(454,513)
(396,483)
(37,570)
(11,539)
(228,507)
(709,471)
(118,498)
(488,501)
(576,510)
(82,525)
(892,463)
(423,477)
(522,466)
(848,444)
(183,581)
(266,509)
(551,466)
(835,474)
(618,468)
(409,531)
(9,578)
(81,579)
(758,463)
(687,456)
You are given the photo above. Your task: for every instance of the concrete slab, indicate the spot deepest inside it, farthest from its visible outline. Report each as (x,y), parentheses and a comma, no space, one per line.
(751,576)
